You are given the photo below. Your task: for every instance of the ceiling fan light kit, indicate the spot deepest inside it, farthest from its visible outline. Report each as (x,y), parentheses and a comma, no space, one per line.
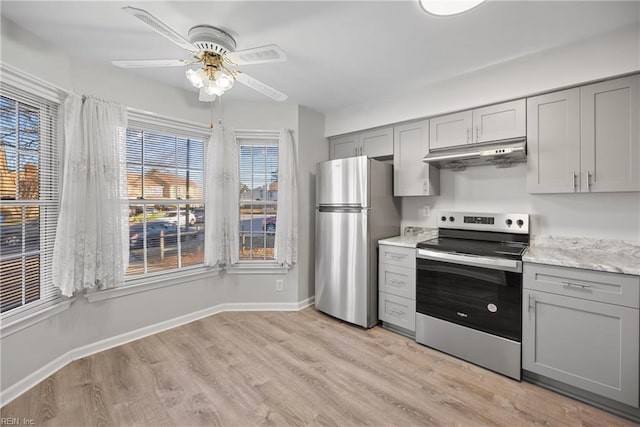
(215,50)
(448,7)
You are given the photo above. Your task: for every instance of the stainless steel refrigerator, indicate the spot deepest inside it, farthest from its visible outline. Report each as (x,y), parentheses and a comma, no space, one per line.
(354,209)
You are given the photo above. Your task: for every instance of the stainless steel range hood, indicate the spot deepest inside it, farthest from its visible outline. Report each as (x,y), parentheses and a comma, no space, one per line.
(499,153)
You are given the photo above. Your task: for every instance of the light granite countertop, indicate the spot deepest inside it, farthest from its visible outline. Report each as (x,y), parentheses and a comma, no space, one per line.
(411,236)
(616,256)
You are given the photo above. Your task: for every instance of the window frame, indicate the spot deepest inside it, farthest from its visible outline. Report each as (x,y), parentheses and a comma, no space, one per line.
(256,266)
(26,89)
(151,122)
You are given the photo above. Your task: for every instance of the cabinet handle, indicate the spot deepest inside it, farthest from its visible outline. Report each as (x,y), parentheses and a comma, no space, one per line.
(396,282)
(589,179)
(576,285)
(361,150)
(477,133)
(575,183)
(532,303)
(468,135)
(396,311)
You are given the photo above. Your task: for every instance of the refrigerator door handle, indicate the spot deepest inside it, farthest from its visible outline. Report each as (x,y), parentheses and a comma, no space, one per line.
(347,209)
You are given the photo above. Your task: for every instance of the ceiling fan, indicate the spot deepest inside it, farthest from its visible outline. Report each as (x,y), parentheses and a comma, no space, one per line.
(214,50)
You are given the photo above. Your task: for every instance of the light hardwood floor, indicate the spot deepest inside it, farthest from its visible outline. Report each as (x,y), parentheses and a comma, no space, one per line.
(283,368)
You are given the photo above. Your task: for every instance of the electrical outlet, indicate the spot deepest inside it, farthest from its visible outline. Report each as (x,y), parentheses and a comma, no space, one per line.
(426,210)
(279,285)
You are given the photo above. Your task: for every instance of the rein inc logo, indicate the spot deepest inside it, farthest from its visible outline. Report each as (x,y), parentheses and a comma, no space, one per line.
(17,421)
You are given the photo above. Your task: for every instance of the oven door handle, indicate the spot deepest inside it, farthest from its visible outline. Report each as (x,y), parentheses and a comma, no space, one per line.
(472,260)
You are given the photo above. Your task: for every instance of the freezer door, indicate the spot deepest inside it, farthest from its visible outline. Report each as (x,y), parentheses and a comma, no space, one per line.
(343,182)
(342,279)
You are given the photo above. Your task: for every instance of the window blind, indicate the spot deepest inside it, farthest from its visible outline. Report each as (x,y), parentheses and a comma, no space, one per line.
(258,196)
(165,181)
(29,179)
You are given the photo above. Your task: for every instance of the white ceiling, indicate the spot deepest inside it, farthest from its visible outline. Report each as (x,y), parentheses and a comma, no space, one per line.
(339,53)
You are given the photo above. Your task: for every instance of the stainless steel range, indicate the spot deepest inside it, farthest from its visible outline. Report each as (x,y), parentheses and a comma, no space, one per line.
(469,289)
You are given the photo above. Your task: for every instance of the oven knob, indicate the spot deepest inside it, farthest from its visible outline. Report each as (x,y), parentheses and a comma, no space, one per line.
(509,222)
(451,219)
(520,223)
(444,218)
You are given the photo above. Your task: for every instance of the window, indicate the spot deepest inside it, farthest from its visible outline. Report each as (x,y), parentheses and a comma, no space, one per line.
(258,197)
(29,200)
(165,178)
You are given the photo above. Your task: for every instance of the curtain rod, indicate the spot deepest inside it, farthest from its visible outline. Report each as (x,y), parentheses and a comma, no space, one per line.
(262,130)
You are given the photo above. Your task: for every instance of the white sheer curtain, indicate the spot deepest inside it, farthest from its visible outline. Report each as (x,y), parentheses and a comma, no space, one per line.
(286,239)
(91,249)
(222,199)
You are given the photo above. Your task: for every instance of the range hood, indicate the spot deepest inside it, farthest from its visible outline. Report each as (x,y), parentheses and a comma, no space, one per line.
(499,153)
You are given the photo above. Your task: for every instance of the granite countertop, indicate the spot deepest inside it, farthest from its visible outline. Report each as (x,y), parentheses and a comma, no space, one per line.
(411,236)
(616,256)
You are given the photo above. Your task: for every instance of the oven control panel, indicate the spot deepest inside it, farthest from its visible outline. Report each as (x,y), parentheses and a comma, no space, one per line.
(501,222)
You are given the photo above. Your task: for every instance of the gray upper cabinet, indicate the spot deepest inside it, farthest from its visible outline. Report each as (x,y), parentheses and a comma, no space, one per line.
(499,121)
(492,123)
(553,142)
(610,113)
(344,146)
(450,130)
(372,143)
(377,142)
(585,139)
(411,176)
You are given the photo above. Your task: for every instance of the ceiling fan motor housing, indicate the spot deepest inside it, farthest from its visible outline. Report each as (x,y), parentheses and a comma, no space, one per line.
(211,39)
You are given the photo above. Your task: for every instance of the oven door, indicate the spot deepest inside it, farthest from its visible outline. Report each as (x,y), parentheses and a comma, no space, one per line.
(484,298)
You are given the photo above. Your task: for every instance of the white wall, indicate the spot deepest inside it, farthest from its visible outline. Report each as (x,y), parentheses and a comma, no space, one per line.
(490,189)
(33,55)
(600,57)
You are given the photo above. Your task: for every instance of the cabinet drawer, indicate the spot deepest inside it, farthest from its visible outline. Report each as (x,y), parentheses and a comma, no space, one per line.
(397,311)
(399,281)
(591,285)
(396,255)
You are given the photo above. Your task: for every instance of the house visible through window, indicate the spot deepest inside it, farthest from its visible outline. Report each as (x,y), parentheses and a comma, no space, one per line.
(258,198)
(29,200)
(165,178)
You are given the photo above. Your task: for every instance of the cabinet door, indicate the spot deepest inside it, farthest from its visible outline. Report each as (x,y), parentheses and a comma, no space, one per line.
(610,113)
(344,146)
(377,143)
(411,176)
(586,344)
(500,121)
(553,142)
(450,130)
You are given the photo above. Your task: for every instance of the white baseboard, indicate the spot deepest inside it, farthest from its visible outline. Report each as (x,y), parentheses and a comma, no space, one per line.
(93,348)
(268,306)
(34,378)
(15,390)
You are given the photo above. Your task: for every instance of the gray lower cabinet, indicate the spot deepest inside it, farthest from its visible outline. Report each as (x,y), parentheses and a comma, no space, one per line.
(572,333)
(397,287)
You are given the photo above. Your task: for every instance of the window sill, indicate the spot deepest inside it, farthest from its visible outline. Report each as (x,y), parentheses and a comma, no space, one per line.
(256,268)
(145,284)
(10,328)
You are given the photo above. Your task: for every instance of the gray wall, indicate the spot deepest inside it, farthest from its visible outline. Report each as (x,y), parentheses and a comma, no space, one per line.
(28,350)
(313,149)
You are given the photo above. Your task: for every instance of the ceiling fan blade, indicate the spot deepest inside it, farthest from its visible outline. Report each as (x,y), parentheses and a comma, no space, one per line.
(205,97)
(258,55)
(151,63)
(160,27)
(260,87)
